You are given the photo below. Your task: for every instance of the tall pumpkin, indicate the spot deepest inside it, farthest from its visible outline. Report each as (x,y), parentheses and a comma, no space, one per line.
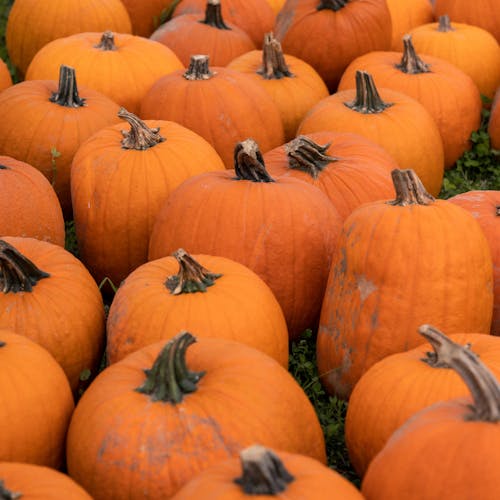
(397,264)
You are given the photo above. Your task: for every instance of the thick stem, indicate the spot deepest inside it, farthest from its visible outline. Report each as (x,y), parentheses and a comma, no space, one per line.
(482,384)
(306,155)
(213,15)
(169,379)
(140,136)
(263,472)
(444,24)
(334,5)
(198,68)
(6,494)
(67,92)
(409,189)
(192,276)
(107,42)
(17,273)
(273,60)
(249,163)
(411,62)
(367,99)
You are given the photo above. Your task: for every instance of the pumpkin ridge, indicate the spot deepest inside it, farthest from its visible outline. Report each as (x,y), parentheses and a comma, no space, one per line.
(67,92)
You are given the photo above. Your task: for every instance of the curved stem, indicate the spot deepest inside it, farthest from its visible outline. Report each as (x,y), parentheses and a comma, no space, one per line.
(192,276)
(107,42)
(213,15)
(140,136)
(17,272)
(198,68)
(263,472)
(249,163)
(169,379)
(409,189)
(67,92)
(334,5)
(273,60)
(306,155)
(6,494)
(444,24)
(482,384)
(411,62)
(367,98)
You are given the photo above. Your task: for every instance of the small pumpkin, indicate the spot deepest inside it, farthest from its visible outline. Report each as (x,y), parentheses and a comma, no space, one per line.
(494,122)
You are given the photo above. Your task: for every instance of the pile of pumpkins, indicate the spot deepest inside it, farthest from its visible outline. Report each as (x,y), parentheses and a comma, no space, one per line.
(238,172)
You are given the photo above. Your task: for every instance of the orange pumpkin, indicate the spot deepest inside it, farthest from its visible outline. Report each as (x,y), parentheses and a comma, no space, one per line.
(397,263)
(146,16)
(36,403)
(494,121)
(213,296)
(28,205)
(5,78)
(395,121)
(188,410)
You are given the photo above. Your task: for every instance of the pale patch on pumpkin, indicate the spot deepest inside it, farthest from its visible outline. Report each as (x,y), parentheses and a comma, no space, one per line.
(365,287)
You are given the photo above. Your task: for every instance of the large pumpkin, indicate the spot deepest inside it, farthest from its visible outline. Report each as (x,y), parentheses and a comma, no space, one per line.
(150,422)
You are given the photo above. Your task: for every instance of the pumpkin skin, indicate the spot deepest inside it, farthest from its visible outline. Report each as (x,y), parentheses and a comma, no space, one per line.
(46,134)
(63,312)
(5,78)
(494,122)
(33,24)
(36,481)
(484,206)
(145,16)
(115,202)
(359,171)
(234,405)
(283,230)
(399,386)
(375,300)
(28,206)
(329,34)
(34,390)
(405,129)
(472,49)
(236,305)
(120,66)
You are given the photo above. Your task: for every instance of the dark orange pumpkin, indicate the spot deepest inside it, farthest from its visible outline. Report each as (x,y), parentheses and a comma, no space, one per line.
(5,78)
(146,16)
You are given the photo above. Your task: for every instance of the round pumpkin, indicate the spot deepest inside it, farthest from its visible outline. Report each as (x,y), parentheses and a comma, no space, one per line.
(210,295)
(28,205)
(5,78)
(494,121)
(146,16)
(188,410)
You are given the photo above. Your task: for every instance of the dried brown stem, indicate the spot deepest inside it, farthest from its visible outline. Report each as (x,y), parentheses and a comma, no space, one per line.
(367,100)
(198,68)
(411,62)
(409,189)
(274,65)
(140,136)
(249,163)
(306,155)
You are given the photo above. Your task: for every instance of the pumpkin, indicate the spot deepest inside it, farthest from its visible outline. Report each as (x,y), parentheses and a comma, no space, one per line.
(348,168)
(5,78)
(204,33)
(293,84)
(27,481)
(119,181)
(472,49)
(123,67)
(188,410)
(43,124)
(220,104)
(494,121)
(276,5)
(213,296)
(450,449)
(146,16)
(28,205)
(393,120)
(447,93)
(36,403)
(484,206)
(261,472)
(283,229)
(32,24)
(48,296)
(397,263)
(399,386)
(329,34)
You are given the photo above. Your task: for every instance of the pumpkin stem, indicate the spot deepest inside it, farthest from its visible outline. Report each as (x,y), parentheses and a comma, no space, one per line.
(198,68)
(409,189)
(140,136)
(444,24)
(169,379)
(107,42)
(6,494)
(263,472)
(2,343)
(367,98)
(249,163)
(306,155)
(497,210)
(334,5)
(411,62)
(17,272)
(213,15)
(67,92)
(192,276)
(482,384)
(274,65)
